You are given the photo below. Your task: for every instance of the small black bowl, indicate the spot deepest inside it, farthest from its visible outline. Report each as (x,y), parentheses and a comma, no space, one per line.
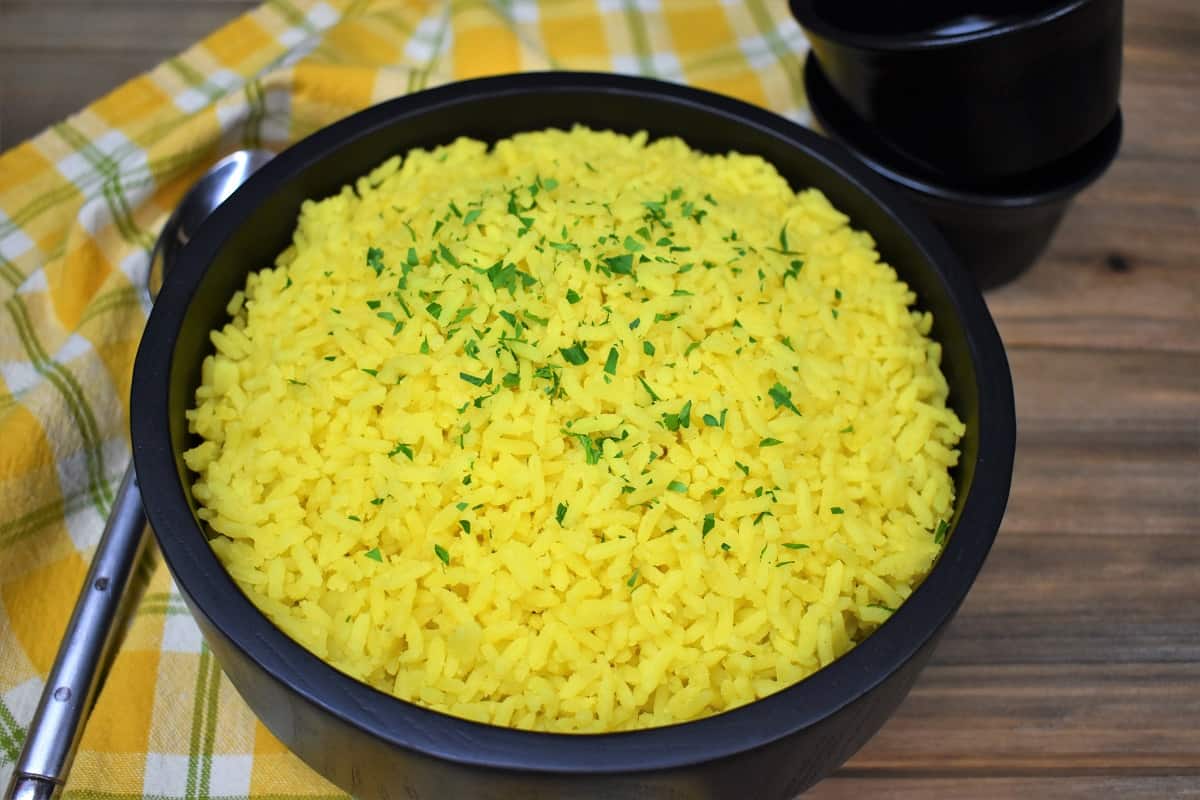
(973,88)
(376,746)
(998,228)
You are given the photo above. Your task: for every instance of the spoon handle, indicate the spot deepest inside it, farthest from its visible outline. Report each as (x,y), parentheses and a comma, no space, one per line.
(85,652)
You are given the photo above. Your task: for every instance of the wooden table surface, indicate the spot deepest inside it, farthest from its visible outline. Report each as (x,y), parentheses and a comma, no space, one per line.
(1073,669)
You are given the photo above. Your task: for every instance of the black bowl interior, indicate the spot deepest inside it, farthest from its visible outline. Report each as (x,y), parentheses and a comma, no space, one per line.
(256,224)
(1051,184)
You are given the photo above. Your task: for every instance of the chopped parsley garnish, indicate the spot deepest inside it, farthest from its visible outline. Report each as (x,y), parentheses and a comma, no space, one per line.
(634,325)
(373,304)
(573,296)
(295,382)
(745,470)
(710,199)
(783,563)
(565,247)
(425,346)
(683,419)
(837,294)
(943,528)
(795,546)
(713,422)
(435,310)
(445,253)
(475,380)
(725,546)
(442,553)
(331,358)
(375,555)
(403,448)
(710,522)
(677,486)
(461,506)
(529,315)
(375,260)
(847,429)
(465,525)
(783,397)
(610,364)
(354,518)
(472,215)
(511,380)
(378,501)
(371,372)
(837,510)
(648,348)
(666,317)
(575,354)
(633,245)
(655,398)
(633,578)
(591,448)
(834,311)
(769,442)
(621,265)
(560,513)
(793,269)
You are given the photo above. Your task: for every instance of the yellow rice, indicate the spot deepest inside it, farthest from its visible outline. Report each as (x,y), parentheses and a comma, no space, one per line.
(396,440)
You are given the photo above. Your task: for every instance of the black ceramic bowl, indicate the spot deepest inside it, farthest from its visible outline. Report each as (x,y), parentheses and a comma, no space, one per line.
(973,88)
(998,228)
(376,746)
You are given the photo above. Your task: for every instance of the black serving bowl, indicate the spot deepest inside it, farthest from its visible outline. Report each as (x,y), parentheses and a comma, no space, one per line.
(376,746)
(973,88)
(999,227)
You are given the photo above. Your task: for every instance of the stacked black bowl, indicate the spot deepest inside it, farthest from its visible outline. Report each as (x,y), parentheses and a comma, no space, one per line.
(990,115)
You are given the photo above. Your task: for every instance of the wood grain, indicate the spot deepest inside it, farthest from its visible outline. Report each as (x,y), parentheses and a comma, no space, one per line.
(1073,668)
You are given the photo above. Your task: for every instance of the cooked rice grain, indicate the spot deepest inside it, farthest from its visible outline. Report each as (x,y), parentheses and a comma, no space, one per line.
(415,474)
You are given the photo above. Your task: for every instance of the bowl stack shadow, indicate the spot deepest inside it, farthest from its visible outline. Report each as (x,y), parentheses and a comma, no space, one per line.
(989,115)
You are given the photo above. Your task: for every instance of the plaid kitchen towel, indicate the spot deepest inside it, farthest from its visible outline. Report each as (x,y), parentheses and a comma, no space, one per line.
(80,205)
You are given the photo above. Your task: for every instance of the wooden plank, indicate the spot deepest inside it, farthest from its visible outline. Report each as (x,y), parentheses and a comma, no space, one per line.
(1031,719)
(852,785)
(1106,397)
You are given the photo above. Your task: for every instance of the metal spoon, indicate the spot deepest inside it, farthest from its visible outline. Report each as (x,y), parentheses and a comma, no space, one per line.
(89,642)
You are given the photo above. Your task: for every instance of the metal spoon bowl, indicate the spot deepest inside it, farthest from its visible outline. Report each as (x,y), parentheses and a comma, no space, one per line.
(90,639)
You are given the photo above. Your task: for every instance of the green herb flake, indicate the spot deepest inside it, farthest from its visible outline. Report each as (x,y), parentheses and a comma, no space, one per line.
(573,296)
(402,448)
(710,522)
(375,555)
(331,358)
(575,354)
(847,429)
(445,253)
(633,245)
(472,215)
(676,486)
(461,506)
(714,422)
(783,563)
(475,380)
(725,546)
(633,326)
(378,501)
(465,525)
(543,321)
(375,260)
(435,310)
(943,528)
(710,199)
(354,518)
(633,578)
(666,317)
(621,265)
(295,382)
(610,364)
(837,510)
(653,397)
(745,470)
(560,513)
(783,397)
(717,492)
(425,346)
(837,294)
(511,380)
(834,311)
(769,442)
(371,372)
(442,553)
(565,247)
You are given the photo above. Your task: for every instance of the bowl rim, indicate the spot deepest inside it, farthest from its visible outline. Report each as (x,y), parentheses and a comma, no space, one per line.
(816,25)
(213,594)
(1052,183)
